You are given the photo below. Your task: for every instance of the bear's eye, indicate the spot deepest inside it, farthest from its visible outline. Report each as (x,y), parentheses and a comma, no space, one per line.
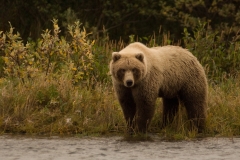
(134,70)
(122,70)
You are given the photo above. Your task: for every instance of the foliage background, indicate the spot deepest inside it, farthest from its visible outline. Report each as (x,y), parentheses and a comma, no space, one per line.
(120,18)
(54,61)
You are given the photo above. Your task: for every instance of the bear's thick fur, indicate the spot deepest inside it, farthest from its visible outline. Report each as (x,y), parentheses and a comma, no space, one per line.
(140,75)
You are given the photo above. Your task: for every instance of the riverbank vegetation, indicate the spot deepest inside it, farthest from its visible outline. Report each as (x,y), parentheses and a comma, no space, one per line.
(61,86)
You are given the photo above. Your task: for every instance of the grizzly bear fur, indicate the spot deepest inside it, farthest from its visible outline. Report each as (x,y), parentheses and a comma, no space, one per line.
(140,75)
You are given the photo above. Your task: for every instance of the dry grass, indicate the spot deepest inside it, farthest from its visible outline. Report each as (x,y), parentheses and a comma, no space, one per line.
(48,107)
(224,108)
(45,106)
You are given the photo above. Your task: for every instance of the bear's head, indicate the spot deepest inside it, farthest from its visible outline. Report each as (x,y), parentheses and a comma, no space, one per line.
(127,68)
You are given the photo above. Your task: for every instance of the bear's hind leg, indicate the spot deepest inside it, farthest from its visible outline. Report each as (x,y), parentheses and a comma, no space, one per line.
(196,111)
(170,108)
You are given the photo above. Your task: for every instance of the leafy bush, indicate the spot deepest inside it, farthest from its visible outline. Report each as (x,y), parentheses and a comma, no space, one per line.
(216,51)
(50,55)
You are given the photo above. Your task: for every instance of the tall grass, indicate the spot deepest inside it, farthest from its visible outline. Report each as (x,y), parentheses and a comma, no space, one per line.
(59,86)
(57,106)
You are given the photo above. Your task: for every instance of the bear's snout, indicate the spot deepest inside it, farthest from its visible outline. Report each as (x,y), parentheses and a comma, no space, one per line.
(129,83)
(128,79)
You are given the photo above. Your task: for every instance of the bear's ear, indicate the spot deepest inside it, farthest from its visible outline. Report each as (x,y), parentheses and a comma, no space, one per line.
(115,56)
(140,57)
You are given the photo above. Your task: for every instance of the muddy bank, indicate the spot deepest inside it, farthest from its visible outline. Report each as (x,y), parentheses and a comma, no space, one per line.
(55,148)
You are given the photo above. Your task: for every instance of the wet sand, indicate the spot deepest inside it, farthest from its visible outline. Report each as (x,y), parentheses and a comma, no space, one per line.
(55,148)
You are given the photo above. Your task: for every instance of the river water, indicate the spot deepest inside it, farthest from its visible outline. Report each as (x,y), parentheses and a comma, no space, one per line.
(116,148)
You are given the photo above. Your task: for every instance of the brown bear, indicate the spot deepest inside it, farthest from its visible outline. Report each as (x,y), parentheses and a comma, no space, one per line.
(140,75)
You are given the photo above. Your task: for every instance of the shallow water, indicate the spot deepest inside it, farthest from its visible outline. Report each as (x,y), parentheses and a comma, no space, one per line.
(55,148)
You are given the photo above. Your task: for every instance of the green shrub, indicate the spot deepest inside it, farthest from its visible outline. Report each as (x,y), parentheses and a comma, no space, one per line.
(219,55)
(51,54)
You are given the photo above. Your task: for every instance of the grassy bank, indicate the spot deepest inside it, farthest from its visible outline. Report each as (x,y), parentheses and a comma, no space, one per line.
(61,86)
(57,107)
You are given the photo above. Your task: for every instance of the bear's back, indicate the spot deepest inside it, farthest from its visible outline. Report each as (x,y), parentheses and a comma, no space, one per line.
(134,48)
(172,56)
(158,53)
(173,51)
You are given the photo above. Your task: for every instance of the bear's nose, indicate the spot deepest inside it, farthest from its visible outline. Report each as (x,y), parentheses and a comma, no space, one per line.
(129,83)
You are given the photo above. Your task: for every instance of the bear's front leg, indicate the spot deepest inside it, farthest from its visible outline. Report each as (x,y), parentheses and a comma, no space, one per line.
(143,117)
(128,105)
(145,99)
(145,108)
